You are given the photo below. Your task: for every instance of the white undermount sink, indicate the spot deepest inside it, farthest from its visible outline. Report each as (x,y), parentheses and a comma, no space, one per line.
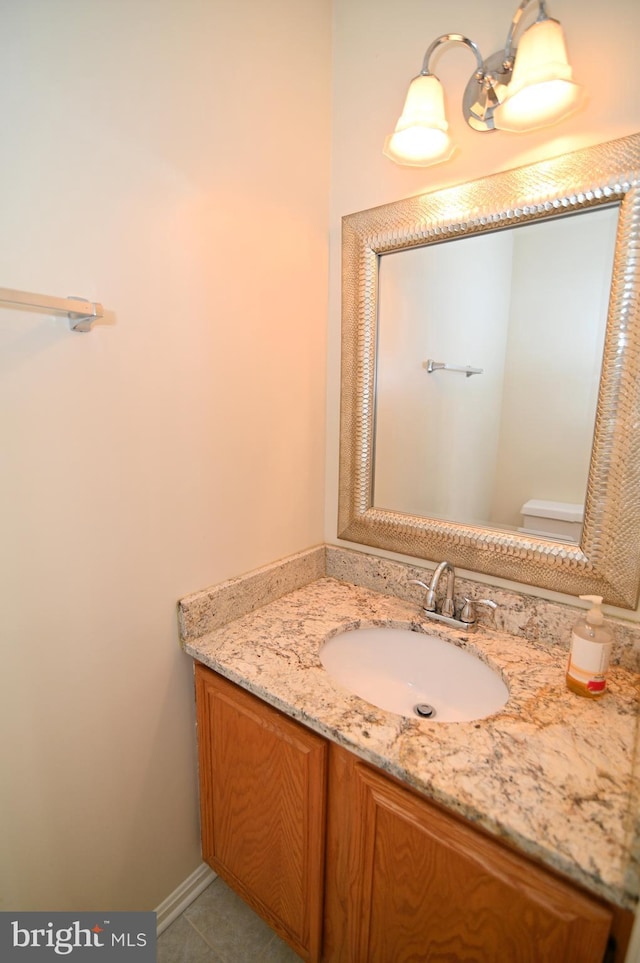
(398,670)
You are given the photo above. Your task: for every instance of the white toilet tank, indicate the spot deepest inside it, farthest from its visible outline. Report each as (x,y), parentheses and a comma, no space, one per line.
(558,520)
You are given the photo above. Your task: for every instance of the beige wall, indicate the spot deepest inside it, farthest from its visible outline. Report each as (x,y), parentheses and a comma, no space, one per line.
(160,156)
(379,46)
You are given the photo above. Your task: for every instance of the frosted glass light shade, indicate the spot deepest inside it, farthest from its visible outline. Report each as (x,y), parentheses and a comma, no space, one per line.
(542,90)
(420,137)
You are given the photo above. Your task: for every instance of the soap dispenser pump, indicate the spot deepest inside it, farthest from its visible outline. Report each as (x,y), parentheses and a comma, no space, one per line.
(591,645)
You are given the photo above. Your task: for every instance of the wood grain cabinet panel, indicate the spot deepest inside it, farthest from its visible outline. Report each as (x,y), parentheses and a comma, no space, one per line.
(420,885)
(262,800)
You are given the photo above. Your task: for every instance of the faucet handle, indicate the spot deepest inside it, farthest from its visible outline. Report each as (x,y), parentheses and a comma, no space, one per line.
(468,613)
(429,604)
(416,581)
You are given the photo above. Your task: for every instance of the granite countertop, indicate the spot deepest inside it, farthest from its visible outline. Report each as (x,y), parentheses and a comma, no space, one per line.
(552,773)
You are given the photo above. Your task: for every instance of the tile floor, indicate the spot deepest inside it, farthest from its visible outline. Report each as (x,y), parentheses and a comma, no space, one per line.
(219,928)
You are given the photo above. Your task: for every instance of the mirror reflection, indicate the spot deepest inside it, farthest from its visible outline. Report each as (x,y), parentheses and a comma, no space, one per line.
(489,352)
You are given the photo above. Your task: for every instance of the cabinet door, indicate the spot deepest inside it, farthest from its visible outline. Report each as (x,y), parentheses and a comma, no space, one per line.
(262,792)
(419,885)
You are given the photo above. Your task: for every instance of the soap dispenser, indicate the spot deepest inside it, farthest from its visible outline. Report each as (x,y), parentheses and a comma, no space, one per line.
(591,645)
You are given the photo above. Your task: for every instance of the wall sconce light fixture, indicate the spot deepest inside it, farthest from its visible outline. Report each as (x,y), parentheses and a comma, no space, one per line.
(513,90)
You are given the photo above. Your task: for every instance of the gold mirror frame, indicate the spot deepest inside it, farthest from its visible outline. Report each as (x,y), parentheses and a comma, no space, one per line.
(607,562)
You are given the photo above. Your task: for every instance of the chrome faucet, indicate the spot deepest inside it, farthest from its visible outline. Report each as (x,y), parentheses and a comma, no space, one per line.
(430,604)
(467,618)
(448,604)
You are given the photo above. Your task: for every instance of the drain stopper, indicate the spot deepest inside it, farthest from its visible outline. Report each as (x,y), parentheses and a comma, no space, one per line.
(424,710)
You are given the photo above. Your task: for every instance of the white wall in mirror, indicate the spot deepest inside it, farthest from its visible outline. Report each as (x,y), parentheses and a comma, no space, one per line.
(426,311)
(556,333)
(527,307)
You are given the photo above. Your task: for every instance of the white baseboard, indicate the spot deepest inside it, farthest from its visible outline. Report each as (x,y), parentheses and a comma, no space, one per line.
(171,907)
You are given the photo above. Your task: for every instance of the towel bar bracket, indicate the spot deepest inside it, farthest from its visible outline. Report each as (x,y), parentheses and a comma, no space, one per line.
(81,321)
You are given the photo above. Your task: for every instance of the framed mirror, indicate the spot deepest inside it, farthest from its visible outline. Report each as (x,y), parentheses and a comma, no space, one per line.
(490,407)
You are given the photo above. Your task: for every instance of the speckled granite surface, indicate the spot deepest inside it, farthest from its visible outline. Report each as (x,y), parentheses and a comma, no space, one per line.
(212,607)
(554,774)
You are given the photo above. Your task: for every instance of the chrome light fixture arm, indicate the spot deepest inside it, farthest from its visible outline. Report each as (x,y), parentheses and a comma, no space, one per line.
(480,95)
(452,38)
(509,50)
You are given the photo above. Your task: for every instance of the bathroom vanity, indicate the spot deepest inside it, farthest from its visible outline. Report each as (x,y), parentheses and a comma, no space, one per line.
(361,835)
(347,864)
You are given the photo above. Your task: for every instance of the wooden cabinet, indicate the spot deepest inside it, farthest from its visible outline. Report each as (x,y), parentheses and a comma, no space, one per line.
(262,801)
(406,881)
(399,880)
